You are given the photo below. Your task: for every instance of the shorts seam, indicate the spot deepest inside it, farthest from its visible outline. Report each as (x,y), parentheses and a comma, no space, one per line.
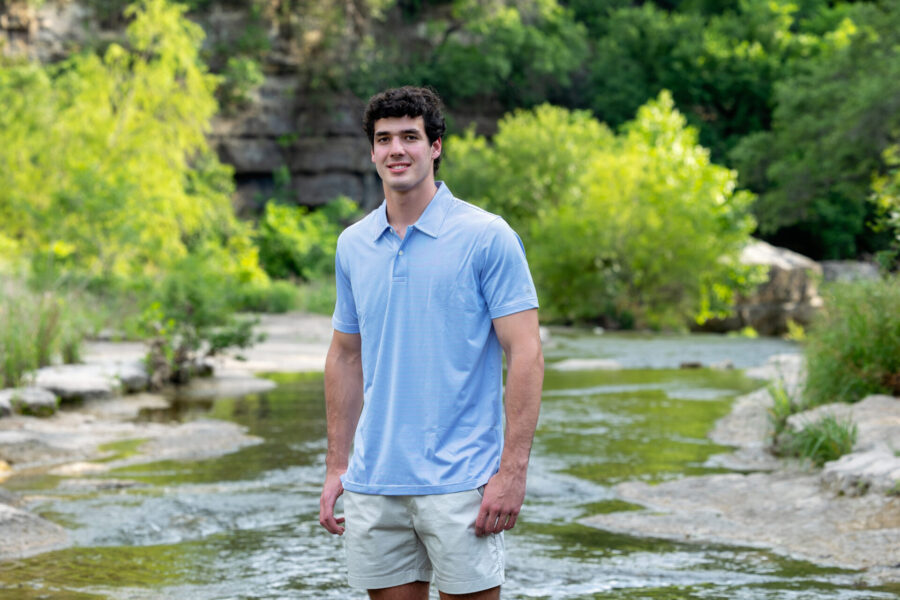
(472,585)
(391,580)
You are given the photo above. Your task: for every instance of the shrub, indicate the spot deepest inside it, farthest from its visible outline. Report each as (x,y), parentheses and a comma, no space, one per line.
(242,76)
(295,242)
(853,348)
(190,315)
(37,328)
(783,406)
(823,441)
(273,297)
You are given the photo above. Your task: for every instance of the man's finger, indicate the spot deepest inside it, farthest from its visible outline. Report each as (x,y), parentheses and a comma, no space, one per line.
(480,521)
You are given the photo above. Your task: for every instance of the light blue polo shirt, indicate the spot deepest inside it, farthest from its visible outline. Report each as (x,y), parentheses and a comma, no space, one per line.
(432,418)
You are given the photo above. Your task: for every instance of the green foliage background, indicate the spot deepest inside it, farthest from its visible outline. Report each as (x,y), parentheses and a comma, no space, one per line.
(635,229)
(643,144)
(799,96)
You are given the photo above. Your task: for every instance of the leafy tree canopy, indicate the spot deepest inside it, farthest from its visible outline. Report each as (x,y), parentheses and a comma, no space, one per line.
(834,119)
(635,229)
(105,170)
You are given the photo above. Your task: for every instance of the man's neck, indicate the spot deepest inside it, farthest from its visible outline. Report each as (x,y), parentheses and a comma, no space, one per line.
(405,208)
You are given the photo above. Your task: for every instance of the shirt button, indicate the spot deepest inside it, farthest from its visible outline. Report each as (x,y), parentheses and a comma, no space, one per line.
(400,253)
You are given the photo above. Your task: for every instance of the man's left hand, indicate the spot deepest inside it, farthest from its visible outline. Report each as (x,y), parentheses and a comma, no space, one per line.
(502,501)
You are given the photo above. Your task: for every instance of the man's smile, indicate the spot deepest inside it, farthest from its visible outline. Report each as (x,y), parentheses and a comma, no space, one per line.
(398,167)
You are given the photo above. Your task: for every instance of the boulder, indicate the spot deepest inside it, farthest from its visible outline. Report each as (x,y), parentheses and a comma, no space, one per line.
(789,294)
(33,401)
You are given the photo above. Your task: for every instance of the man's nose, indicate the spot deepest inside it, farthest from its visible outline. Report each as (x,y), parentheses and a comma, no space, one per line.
(396,146)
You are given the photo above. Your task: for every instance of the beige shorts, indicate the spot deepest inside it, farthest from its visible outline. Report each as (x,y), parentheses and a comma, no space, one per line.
(393,540)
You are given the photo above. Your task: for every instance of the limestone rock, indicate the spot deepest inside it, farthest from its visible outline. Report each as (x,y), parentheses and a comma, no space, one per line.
(871,471)
(251,154)
(25,534)
(315,190)
(791,292)
(322,154)
(33,448)
(877,419)
(7,497)
(873,466)
(92,381)
(785,512)
(5,406)
(74,382)
(340,116)
(34,401)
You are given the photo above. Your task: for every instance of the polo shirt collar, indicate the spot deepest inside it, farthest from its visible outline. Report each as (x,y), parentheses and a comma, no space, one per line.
(429,222)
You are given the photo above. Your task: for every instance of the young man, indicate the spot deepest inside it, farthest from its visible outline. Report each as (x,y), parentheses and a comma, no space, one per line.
(430,292)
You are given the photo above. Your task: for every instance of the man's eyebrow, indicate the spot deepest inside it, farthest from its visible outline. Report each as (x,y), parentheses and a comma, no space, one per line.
(401,132)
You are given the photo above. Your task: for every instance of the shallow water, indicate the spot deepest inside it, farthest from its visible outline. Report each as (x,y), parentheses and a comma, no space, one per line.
(246,525)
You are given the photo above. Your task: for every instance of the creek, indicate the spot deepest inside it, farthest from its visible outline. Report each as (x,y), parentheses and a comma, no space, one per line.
(245,525)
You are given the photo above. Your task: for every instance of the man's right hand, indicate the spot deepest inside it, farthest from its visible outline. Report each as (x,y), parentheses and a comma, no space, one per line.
(332,489)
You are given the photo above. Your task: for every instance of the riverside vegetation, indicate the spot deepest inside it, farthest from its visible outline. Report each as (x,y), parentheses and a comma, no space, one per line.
(852,351)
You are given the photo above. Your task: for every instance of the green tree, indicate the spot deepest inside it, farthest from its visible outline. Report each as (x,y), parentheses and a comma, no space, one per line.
(833,120)
(515,52)
(720,68)
(105,170)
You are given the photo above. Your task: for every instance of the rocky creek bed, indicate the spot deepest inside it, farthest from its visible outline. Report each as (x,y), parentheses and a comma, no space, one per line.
(99,427)
(844,515)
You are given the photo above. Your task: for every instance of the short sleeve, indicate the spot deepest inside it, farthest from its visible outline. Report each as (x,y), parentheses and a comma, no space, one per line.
(345,317)
(506,283)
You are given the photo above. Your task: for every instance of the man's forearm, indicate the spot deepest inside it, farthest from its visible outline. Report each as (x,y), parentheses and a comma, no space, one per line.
(343,402)
(525,376)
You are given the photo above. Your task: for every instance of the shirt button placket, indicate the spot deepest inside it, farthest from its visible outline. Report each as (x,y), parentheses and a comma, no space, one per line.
(401,270)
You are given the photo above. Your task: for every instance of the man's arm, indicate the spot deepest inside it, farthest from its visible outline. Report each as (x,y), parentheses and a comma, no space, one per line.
(520,338)
(343,403)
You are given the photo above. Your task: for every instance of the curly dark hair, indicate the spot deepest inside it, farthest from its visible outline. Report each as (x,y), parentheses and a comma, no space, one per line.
(407,101)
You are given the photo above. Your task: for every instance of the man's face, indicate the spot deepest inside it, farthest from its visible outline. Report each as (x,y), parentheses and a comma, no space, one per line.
(402,155)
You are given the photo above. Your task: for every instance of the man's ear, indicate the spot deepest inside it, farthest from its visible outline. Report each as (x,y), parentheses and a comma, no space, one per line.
(372,153)
(436,148)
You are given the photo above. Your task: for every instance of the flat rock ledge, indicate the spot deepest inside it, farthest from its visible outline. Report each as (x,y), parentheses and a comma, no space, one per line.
(845,515)
(24,534)
(788,513)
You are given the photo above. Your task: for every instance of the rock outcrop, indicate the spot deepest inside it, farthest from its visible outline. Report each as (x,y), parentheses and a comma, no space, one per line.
(789,294)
